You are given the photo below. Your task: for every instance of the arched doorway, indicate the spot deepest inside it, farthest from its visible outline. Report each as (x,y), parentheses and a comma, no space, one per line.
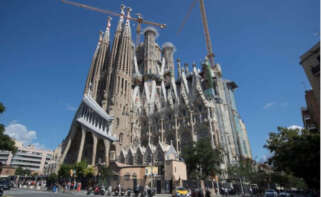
(88,148)
(101,152)
(72,153)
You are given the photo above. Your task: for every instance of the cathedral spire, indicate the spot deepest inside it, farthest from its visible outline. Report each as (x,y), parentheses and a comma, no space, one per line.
(121,18)
(179,71)
(107,31)
(93,65)
(127,31)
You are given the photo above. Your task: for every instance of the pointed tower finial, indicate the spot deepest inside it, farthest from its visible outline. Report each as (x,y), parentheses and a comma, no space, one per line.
(121,18)
(127,31)
(128,10)
(186,67)
(107,31)
(194,64)
(100,36)
(179,71)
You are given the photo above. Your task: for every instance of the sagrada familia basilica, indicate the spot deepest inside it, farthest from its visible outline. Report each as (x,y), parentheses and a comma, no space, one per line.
(135,111)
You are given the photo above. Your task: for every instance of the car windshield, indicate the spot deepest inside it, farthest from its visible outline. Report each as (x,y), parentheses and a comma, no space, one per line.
(180,188)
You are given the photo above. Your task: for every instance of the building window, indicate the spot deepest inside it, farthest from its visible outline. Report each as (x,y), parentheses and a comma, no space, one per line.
(121,136)
(117,122)
(127,177)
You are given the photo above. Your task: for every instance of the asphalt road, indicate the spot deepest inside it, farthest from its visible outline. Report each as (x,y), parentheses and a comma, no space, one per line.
(29,193)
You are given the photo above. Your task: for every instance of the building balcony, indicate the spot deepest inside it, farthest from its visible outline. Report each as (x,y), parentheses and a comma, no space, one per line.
(316,70)
(19,163)
(307,117)
(312,127)
(27,158)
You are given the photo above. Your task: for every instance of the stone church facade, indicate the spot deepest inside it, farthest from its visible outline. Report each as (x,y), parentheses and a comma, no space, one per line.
(137,110)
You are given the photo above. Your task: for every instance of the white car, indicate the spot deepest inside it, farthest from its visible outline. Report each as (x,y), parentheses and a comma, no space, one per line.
(285,194)
(270,193)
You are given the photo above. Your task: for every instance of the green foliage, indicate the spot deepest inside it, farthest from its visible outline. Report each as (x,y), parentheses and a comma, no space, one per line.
(296,152)
(19,171)
(64,171)
(6,143)
(287,181)
(245,169)
(80,168)
(89,171)
(105,171)
(202,160)
(22,172)
(52,179)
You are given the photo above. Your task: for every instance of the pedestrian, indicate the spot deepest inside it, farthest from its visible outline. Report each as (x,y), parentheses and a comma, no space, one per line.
(207,193)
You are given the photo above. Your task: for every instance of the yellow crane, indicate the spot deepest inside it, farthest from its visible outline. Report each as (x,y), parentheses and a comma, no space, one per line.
(139,20)
(209,48)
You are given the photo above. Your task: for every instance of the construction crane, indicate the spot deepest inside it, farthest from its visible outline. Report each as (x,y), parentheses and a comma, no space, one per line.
(209,48)
(139,20)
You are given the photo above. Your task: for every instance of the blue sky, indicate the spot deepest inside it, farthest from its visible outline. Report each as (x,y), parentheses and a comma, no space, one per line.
(46,48)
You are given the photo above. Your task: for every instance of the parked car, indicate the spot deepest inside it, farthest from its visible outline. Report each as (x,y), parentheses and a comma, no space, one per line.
(270,193)
(1,191)
(182,192)
(5,183)
(285,194)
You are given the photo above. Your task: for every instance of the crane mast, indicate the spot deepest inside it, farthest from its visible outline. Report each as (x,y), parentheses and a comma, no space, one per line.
(210,54)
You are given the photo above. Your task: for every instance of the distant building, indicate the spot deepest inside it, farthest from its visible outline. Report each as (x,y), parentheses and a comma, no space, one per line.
(27,157)
(53,165)
(310,61)
(6,171)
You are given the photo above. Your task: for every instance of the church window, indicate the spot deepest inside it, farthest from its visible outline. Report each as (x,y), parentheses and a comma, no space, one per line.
(122,85)
(118,82)
(117,122)
(121,138)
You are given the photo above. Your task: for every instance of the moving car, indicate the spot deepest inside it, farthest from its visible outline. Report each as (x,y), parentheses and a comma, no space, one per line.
(285,194)
(270,193)
(182,192)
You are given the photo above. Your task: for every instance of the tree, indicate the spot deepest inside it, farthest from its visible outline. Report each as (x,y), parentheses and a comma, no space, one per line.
(6,143)
(64,171)
(19,171)
(80,168)
(22,172)
(296,152)
(104,172)
(245,169)
(52,179)
(202,160)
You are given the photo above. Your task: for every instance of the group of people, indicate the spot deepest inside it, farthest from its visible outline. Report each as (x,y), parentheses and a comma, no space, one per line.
(71,185)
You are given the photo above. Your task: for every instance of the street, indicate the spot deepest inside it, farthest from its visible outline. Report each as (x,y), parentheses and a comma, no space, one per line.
(31,193)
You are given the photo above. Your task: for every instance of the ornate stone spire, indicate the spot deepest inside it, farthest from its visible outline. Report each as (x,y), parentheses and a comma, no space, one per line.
(107,31)
(121,18)
(186,68)
(127,31)
(93,65)
(179,71)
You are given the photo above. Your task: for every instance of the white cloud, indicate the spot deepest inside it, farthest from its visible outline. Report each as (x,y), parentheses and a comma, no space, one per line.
(71,108)
(22,134)
(268,105)
(295,127)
